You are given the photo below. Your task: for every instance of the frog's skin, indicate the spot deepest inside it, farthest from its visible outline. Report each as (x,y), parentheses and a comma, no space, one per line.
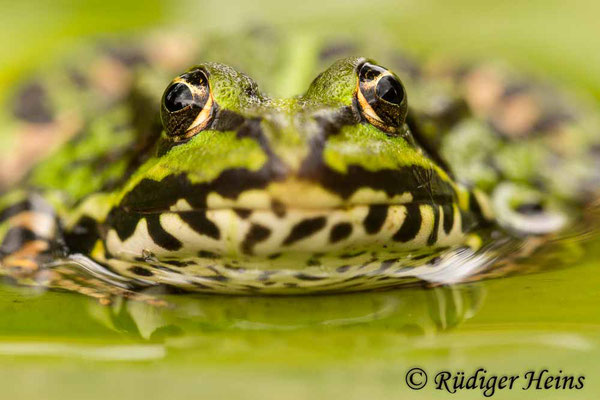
(343,187)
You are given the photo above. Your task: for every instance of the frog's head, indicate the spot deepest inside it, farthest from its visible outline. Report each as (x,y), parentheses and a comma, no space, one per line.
(239,172)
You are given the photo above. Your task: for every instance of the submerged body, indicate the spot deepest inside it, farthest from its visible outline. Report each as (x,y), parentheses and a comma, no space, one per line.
(346,185)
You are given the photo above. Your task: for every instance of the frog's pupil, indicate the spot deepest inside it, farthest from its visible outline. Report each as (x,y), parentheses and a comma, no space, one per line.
(390,90)
(179,96)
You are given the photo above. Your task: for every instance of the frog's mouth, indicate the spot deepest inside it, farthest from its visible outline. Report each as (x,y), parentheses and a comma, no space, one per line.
(286,216)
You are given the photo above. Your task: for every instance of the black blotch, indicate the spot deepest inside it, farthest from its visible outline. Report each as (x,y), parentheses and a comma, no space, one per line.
(448,212)
(217,278)
(340,231)
(82,238)
(32,104)
(306,277)
(256,234)
(198,222)
(304,229)
(141,271)
(161,237)
(435,261)
(278,208)
(274,256)
(436,224)
(385,265)
(391,181)
(180,264)
(243,213)
(201,286)
(411,224)
(151,195)
(343,268)
(352,255)
(312,262)
(207,254)
(375,218)
(122,222)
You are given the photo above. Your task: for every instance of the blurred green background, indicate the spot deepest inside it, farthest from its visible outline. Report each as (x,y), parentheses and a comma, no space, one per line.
(62,346)
(555,36)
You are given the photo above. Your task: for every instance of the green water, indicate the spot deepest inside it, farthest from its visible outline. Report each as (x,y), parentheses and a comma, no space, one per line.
(357,346)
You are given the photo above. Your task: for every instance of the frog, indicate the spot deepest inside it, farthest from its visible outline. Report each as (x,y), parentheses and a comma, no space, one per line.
(332,179)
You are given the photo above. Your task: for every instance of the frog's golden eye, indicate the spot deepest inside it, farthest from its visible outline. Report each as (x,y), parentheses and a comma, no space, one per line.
(381,97)
(187,105)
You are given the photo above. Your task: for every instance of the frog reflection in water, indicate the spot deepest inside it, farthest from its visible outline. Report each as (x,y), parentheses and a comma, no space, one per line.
(349,186)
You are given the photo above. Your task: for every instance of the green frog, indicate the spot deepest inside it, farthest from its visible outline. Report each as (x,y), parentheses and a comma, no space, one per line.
(332,171)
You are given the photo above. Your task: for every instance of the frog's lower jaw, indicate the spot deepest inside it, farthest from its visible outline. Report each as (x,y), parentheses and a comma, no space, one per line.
(222,250)
(264,233)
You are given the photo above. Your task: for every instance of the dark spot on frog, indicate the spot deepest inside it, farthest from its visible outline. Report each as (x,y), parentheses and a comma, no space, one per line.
(312,262)
(307,277)
(32,104)
(411,224)
(198,221)
(343,268)
(158,234)
(375,218)
(207,254)
(436,224)
(141,271)
(448,212)
(340,231)
(304,229)
(256,234)
(352,255)
(180,264)
(278,208)
(243,213)
(82,238)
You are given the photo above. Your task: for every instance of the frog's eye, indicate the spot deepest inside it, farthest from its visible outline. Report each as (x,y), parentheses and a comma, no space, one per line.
(187,105)
(381,97)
